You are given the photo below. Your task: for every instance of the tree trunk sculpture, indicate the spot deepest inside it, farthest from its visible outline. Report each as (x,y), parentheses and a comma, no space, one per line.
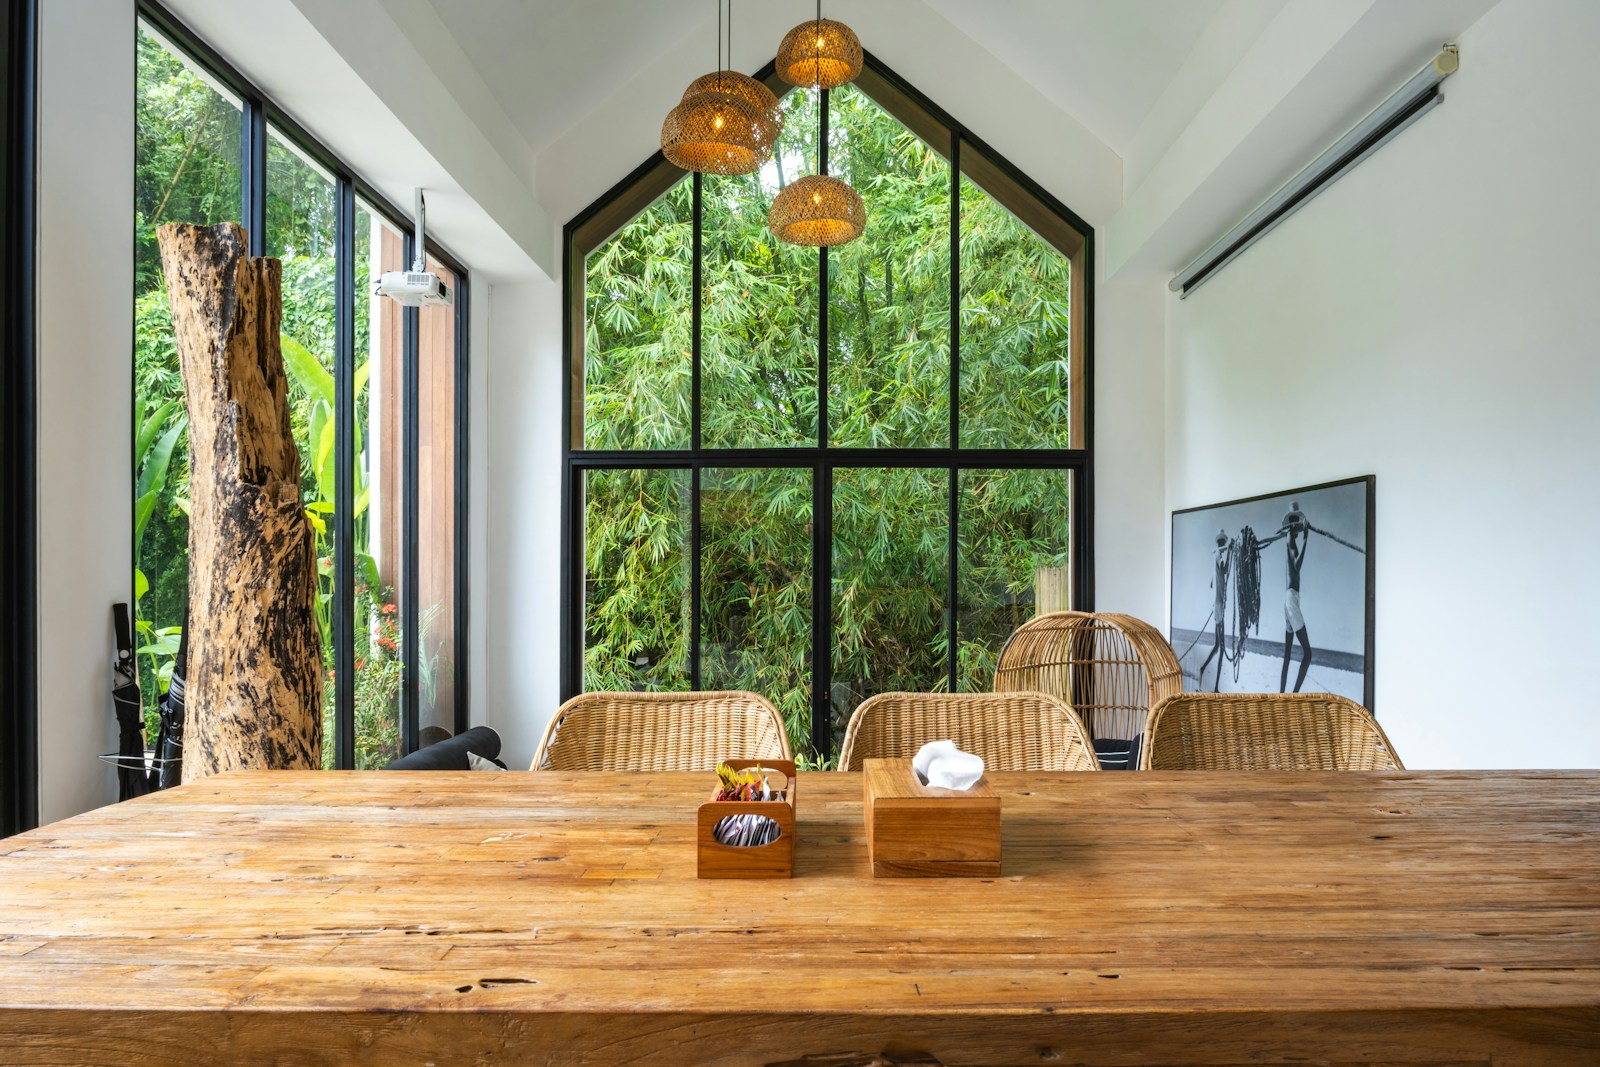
(254,696)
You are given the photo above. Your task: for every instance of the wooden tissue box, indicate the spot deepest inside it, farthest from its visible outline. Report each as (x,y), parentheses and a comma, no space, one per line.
(775,859)
(917,831)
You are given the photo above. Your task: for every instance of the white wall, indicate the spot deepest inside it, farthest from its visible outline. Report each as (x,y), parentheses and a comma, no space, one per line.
(85,408)
(1129,432)
(1432,319)
(523,518)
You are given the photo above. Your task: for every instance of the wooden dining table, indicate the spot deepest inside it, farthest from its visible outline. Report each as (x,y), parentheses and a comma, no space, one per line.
(1398,918)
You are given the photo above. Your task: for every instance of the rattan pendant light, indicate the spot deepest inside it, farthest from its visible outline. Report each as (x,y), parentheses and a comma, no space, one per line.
(726,123)
(821,53)
(817,210)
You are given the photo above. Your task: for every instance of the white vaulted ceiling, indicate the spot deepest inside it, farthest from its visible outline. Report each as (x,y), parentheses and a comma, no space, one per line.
(1104,63)
(547,62)
(1158,121)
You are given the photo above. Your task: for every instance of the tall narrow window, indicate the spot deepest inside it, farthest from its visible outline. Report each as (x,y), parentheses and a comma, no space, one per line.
(437,621)
(375,512)
(302,233)
(187,168)
(375,399)
(854,470)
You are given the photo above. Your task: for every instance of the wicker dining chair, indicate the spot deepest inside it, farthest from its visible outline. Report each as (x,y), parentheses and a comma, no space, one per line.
(661,732)
(1011,731)
(1265,732)
(1109,668)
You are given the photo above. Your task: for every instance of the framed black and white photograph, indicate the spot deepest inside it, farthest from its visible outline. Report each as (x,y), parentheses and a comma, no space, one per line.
(1273,593)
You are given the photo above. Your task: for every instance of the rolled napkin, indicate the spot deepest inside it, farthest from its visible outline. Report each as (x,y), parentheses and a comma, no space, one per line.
(942,765)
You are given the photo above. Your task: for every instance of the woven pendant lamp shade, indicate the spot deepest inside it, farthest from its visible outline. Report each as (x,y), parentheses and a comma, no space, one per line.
(726,123)
(817,210)
(821,52)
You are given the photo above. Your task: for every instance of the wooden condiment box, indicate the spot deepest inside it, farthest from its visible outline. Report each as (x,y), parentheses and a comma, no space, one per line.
(917,831)
(772,860)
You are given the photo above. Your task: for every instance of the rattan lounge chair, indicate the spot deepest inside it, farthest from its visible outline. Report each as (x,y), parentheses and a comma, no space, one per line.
(1265,732)
(661,732)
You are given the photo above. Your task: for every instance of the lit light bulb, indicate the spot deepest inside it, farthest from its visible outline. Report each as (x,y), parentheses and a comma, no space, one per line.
(821,42)
(717,123)
(816,198)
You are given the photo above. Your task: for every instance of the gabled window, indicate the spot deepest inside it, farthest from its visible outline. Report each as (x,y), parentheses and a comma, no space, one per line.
(822,474)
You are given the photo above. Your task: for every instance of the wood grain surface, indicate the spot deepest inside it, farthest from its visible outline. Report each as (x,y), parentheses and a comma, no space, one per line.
(918,831)
(1399,918)
(254,695)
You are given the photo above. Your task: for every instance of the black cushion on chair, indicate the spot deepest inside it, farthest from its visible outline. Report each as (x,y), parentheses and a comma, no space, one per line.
(451,755)
(1118,755)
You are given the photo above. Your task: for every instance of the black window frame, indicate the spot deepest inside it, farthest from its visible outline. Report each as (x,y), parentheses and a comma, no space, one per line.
(260,114)
(19,539)
(968,156)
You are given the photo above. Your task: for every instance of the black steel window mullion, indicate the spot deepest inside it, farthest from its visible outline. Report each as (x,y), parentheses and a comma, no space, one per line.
(822,506)
(253,175)
(462,525)
(822,610)
(696,316)
(696,321)
(694,577)
(19,582)
(952,622)
(344,539)
(822,295)
(410,602)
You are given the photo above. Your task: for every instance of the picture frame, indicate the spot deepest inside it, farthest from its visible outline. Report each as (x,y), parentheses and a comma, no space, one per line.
(1322,578)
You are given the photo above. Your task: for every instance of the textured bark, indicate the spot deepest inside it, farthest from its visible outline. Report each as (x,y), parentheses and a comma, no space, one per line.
(254,697)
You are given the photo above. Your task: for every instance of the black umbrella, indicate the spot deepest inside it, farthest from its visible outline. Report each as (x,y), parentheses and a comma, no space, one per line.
(169,743)
(133,779)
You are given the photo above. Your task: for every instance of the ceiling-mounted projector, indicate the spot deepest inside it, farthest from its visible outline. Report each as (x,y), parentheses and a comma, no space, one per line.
(414,289)
(417,287)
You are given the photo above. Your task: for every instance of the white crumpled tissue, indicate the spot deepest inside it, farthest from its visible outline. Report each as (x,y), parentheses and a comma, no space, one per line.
(944,766)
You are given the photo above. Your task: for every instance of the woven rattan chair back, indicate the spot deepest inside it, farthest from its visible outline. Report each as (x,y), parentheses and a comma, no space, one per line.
(1111,669)
(1265,732)
(1011,731)
(661,732)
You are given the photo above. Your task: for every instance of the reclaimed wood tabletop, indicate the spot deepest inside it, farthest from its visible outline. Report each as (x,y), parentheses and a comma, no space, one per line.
(1401,918)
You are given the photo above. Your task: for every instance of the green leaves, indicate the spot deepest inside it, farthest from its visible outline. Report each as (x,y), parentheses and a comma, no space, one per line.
(153,458)
(306,371)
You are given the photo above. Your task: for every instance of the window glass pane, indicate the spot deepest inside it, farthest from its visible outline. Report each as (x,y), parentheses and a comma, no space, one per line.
(1015,561)
(186,169)
(890,585)
(755,588)
(758,346)
(376,518)
(636,590)
(436,517)
(1016,355)
(301,233)
(889,290)
(638,318)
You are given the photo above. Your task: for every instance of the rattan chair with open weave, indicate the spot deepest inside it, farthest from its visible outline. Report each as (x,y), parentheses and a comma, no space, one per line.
(1011,731)
(661,732)
(1111,669)
(1265,732)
